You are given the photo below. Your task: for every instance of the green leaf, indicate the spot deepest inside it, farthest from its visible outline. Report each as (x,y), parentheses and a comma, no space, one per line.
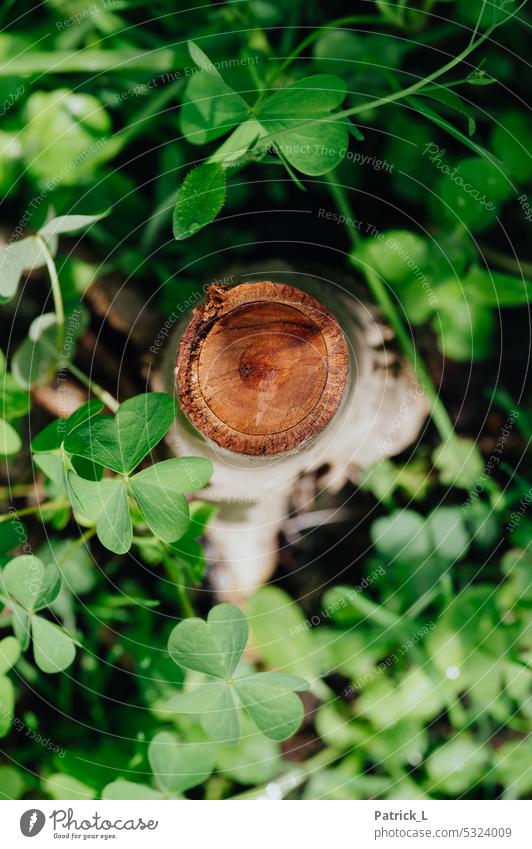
(52,436)
(166,513)
(270,701)
(463,333)
(7,705)
(512,141)
(315,95)
(493,289)
(255,759)
(280,634)
(396,256)
(63,129)
(122,442)
(122,789)
(15,259)
(459,462)
(450,537)
(457,765)
(9,439)
(36,359)
(105,502)
(9,653)
(319,144)
(60,786)
(199,199)
(54,650)
(178,766)
(471,193)
(68,224)
(12,783)
(210,108)
(30,582)
(402,536)
(214,704)
(15,402)
(21,621)
(213,647)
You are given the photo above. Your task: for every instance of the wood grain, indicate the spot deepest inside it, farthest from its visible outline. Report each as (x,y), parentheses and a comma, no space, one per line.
(261,368)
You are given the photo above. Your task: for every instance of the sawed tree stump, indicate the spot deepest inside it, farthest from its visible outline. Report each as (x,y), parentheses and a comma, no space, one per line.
(273,385)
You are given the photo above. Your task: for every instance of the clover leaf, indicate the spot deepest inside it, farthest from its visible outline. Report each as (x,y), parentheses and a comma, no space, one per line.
(158,491)
(28,254)
(215,648)
(297,118)
(29,586)
(199,199)
(176,767)
(121,442)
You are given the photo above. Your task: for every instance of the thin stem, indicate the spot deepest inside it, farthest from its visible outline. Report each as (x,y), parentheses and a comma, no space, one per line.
(56,504)
(310,39)
(392,97)
(19,490)
(381,294)
(108,399)
(174,573)
(508,263)
(56,294)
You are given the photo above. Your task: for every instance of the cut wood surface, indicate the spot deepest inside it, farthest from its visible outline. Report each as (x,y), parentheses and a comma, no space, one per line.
(262,367)
(382,412)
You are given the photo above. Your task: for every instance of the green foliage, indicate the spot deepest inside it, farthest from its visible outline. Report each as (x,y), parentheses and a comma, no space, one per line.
(214,648)
(30,586)
(410,618)
(199,199)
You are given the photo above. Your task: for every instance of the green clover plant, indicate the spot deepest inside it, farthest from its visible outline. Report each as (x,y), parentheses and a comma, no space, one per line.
(176,767)
(214,647)
(28,587)
(75,453)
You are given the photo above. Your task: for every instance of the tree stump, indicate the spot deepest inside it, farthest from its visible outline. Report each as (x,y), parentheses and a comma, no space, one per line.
(262,368)
(273,384)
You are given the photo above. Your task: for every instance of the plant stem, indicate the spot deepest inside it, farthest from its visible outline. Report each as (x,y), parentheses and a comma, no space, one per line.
(174,573)
(294,777)
(56,294)
(392,97)
(56,504)
(108,399)
(381,294)
(19,490)
(506,262)
(317,33)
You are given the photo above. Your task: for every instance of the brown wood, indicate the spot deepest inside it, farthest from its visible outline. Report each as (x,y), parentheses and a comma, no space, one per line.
(262,367)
